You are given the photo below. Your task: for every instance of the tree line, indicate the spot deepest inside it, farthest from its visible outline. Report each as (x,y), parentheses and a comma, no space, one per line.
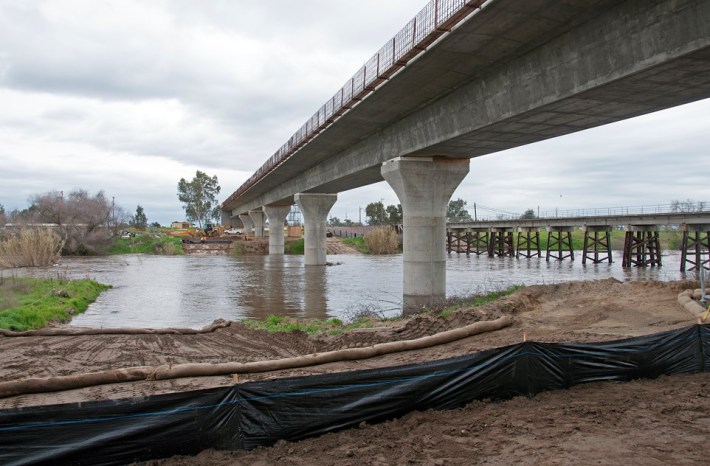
(87,222)
(377,214)
(84,220)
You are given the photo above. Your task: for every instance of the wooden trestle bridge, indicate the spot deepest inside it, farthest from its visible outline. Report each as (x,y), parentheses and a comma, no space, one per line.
(641,242)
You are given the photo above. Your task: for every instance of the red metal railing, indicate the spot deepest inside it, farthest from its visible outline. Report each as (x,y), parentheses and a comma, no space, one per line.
(434,20)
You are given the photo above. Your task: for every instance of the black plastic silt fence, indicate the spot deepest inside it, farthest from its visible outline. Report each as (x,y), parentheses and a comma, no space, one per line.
(251,414)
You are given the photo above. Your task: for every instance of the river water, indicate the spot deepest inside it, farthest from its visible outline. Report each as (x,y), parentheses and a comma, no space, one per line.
(192,291)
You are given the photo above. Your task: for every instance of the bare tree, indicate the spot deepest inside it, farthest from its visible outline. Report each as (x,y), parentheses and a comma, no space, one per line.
(83,219)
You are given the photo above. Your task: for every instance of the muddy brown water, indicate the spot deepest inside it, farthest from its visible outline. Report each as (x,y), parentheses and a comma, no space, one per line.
(192,291)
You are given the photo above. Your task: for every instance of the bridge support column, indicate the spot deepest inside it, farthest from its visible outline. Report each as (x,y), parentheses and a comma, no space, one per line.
(559,243)
(594,245)
(642,246)
(454,238)
(695,249)
(479,240)
(276,215)
(257,216)
(501,242)
(528,242)
(315,208)
(424,187)
(248,224)
(228,220)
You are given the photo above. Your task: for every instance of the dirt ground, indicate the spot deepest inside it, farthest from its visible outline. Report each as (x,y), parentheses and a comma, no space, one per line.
(645,422)
(662,421)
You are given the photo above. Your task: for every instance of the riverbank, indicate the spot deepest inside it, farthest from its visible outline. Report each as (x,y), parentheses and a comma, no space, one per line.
(574,312)
(33,303)
(605,423)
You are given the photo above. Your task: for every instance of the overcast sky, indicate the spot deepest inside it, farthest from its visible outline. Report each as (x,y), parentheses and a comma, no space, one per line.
(130,96)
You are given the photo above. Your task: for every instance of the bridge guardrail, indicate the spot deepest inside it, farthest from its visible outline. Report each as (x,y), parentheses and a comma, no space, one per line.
(432,21)
(672,208)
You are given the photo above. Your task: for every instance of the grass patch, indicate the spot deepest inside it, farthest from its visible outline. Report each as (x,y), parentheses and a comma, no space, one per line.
(366,318)
(357,243)
(457,303)
(31,303)
(294,247)
(148,243)
(275,324)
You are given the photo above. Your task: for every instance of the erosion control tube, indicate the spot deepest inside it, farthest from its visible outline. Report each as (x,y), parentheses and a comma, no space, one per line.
(70,332)
(164,372)
(686,300)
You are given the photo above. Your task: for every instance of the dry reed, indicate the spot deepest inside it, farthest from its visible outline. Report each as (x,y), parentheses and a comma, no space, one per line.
(30,247)
(382,241)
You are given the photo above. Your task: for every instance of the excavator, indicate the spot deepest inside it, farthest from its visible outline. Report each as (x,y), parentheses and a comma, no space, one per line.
(213,231)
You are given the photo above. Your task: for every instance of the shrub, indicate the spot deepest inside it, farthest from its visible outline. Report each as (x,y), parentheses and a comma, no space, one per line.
(382,241)
(31,247)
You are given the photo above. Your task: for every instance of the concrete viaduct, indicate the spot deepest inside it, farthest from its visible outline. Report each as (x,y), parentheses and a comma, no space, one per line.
(465,79)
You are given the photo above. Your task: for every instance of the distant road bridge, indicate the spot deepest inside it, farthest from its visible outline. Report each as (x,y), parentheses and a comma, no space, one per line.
(469,78)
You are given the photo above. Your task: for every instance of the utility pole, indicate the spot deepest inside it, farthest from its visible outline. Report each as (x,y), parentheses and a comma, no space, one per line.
(475,215)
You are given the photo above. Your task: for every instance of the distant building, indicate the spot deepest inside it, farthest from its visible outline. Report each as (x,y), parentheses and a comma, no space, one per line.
(177,224)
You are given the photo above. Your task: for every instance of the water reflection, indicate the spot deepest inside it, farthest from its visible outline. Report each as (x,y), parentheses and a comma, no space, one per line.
(192,291)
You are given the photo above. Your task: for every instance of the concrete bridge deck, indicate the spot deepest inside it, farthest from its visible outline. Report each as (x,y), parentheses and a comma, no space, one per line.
(469,78)
(508,74)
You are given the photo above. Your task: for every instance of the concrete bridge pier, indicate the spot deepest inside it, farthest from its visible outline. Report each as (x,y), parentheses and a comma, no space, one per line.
(248,224)
(424,187)
(228,220)
(276,215)
(257,216)
(315,208)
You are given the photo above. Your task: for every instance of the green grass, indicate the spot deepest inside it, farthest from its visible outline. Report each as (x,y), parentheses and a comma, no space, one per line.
(31,303)
(294,247)
(334,326)
(147,243)
(275,323)
(357,243)
(455,304)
